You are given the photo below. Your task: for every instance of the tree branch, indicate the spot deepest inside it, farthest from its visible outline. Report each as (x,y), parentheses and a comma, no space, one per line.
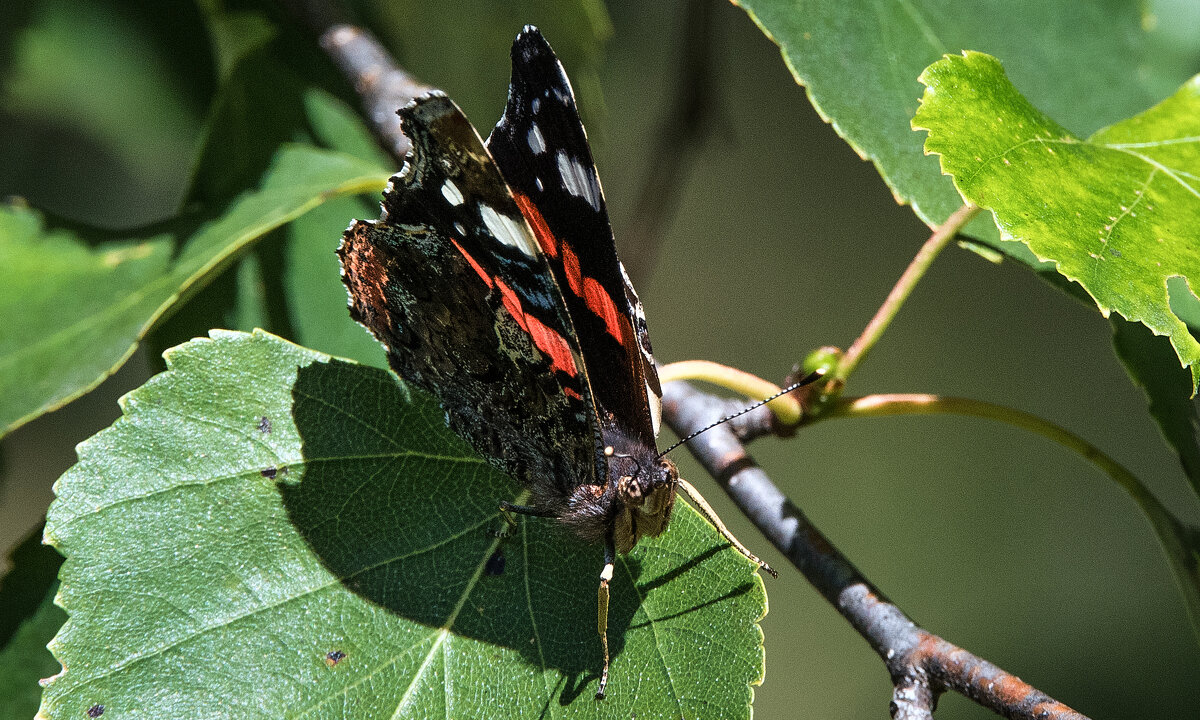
(921,665)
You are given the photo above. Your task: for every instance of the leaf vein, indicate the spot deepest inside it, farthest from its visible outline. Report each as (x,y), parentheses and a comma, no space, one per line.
(256,471)
(653,625)
(282,602)
(537,637)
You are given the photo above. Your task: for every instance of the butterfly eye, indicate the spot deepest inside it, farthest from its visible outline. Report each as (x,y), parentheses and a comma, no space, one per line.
(633,489)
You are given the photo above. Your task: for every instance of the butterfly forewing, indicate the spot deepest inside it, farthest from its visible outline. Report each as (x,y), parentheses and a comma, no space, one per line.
(451,281)
(542,150)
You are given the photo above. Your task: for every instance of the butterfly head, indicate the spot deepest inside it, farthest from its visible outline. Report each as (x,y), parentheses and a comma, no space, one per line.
(643,493)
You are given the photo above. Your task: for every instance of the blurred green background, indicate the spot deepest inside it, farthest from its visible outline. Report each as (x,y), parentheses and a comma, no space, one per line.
(784,240)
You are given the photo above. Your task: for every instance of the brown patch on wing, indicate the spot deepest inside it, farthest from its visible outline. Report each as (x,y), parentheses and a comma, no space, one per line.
(365,274)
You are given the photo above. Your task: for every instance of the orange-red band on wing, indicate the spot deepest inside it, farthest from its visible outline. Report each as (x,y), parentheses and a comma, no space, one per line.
(571,269)
(593,294)
(545,339)
(474,265)
(553,344)
(541,230)
(599,302)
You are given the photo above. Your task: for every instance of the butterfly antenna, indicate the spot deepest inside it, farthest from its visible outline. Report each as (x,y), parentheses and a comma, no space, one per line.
(806,380)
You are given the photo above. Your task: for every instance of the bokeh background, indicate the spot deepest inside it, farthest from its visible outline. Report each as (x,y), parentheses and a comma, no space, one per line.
(783,240)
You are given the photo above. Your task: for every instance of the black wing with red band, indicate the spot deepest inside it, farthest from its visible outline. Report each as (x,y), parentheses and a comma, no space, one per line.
(493,281)
(452,282)
(542,150)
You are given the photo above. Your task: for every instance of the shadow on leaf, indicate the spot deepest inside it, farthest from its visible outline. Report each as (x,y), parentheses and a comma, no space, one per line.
(405,515)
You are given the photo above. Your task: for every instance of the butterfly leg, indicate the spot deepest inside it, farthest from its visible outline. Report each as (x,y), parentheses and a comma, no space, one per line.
(610,557)
(507,510)
(710,515)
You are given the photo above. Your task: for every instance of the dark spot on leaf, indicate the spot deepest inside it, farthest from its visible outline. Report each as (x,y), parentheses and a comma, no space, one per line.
(333,657)
(264,424)
(495,564)
(269,473)
(95,711)
(1114,252)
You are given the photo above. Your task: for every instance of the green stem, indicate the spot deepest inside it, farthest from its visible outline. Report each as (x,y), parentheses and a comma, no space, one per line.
(1171,533)
(903,288)
(786,408)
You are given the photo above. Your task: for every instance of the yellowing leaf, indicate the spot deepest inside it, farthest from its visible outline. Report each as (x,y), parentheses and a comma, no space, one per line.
(1118,213)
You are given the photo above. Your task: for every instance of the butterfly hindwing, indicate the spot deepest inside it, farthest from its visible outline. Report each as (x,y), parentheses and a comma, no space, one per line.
(452,282)
(542,150)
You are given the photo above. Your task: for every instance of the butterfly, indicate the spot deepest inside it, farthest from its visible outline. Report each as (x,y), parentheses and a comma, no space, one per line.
(492,279)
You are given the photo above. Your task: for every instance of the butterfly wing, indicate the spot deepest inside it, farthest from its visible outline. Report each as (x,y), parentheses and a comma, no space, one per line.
(542,150)
(452,282)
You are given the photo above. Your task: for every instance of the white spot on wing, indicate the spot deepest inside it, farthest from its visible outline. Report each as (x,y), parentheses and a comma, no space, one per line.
(451,192)
(459,227)
(633,301)
(655,403)
(538,181)
(537,104)
(536,142)
(578,180)
(510,231)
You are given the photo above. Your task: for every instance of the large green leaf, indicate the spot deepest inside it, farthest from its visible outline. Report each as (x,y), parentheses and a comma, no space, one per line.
(1088,64)
(25,661)
(262,104)
(1117,213)
(268,531)
(75,312)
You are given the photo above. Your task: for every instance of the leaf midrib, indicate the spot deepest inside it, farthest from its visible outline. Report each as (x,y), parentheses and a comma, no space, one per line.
(448,625)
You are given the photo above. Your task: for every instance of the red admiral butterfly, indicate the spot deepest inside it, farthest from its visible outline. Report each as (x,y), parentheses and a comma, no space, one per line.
(493,281)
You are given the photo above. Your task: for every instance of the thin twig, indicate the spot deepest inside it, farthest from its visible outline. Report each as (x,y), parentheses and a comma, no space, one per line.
(925,404)
(1171,533)
(786,408)
(900,292)
(921,665)
(381,84)
(679,137)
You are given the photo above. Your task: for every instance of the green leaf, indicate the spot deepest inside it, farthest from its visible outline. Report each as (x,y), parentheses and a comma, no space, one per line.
(336,126)
(270,531)
(1116,213)
(76,312)
(257,109)
(312,286)
(234,34)
(101,102)
(28,620)
(1087,64)
(25,661)
(315,295)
